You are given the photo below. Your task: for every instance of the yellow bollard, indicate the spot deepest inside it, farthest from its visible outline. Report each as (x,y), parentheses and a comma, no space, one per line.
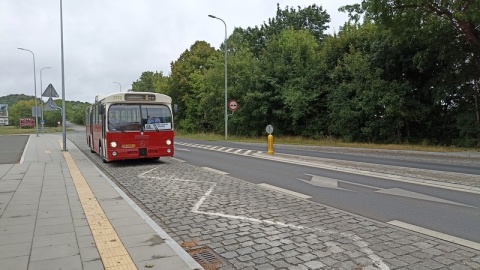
(270,144)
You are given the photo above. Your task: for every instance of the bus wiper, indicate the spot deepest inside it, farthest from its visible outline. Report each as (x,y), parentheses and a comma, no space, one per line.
(116,127)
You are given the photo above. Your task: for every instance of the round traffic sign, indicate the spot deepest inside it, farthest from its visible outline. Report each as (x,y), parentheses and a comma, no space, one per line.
(269,129)
(233,105)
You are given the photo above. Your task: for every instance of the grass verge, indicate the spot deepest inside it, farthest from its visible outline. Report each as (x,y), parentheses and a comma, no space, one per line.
(11,130)
(329,142)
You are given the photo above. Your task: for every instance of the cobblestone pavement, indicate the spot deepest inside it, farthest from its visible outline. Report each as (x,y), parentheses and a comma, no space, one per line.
(250,227)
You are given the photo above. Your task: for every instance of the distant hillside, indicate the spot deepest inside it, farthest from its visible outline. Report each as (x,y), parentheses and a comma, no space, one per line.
(14,98)
(75,110)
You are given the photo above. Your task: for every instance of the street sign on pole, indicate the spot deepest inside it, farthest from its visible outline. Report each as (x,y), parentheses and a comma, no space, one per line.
(36,111)
(50,92)
(269,129)
(233,105)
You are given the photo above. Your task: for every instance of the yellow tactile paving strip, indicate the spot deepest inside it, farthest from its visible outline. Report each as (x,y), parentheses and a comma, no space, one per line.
(112,252)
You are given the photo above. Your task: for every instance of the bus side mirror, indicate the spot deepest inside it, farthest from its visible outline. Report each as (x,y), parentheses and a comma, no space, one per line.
(101,110)
(175,108)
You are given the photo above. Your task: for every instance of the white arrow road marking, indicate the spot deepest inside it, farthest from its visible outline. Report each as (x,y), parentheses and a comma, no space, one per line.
(326,182)
(321,181)
(377,261)
(415,195)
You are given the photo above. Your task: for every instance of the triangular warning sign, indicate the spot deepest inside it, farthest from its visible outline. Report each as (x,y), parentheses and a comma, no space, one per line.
(50,92)
(50,105)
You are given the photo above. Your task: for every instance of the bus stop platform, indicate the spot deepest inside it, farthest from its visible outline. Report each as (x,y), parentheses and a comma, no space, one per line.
(59,211)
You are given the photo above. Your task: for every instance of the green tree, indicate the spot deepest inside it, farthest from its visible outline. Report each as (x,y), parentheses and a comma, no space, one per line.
(293,77)
(311,18)
(194,60)
(463,17)
(363,106)
(148,82)
(21,109)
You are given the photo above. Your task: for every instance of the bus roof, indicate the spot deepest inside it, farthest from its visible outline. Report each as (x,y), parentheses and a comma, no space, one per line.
(134,97)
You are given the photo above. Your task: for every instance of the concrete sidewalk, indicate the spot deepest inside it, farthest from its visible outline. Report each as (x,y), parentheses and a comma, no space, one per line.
(59,211)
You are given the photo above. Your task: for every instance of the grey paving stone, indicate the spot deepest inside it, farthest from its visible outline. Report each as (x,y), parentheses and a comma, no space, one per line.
(85,241)
(13,229)
(146,239)
(17,238)
(93,265)
(60,228)
(53,252)
(89,254)
(54,221)
(229,255)
(133,229)
(54,239)
(126,221)
(315,265)
(54,214)
(14,263)
(14,250)
(145,253)
(64,263)
(167,263)
(83,231)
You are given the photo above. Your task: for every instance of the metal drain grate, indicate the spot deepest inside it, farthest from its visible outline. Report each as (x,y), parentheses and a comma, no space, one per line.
(206,257)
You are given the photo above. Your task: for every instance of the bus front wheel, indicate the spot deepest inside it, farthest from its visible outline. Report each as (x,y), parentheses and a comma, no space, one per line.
(101,155)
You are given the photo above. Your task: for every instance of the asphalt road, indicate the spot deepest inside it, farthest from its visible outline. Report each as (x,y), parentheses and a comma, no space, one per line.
(308,151)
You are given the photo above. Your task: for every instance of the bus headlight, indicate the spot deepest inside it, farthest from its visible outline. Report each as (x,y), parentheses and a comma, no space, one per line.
(169,142)
(113,144)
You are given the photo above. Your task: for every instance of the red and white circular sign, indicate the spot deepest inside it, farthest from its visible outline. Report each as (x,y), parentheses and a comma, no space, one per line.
(233,105)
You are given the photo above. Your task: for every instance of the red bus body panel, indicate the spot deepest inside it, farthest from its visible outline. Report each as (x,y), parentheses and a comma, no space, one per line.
(134,145)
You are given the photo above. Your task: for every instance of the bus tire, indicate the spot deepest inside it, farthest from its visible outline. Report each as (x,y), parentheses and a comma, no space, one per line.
(101,155)
(91,148)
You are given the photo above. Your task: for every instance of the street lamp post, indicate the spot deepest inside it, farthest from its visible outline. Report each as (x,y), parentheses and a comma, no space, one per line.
(226,50)
(64,111)
(41,89)
(35,87)
(119,85)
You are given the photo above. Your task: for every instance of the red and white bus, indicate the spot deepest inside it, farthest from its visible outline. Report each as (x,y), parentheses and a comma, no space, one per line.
(132,125)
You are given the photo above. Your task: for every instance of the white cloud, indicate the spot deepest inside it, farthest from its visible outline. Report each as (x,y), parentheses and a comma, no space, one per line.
(117,40)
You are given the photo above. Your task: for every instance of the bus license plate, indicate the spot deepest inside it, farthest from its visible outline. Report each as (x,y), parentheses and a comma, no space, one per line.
(128,145)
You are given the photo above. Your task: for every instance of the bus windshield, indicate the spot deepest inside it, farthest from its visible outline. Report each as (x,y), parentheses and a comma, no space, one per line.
(136,117)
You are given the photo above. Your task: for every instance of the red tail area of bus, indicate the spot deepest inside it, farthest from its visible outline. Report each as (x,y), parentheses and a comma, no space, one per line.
(135,145)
